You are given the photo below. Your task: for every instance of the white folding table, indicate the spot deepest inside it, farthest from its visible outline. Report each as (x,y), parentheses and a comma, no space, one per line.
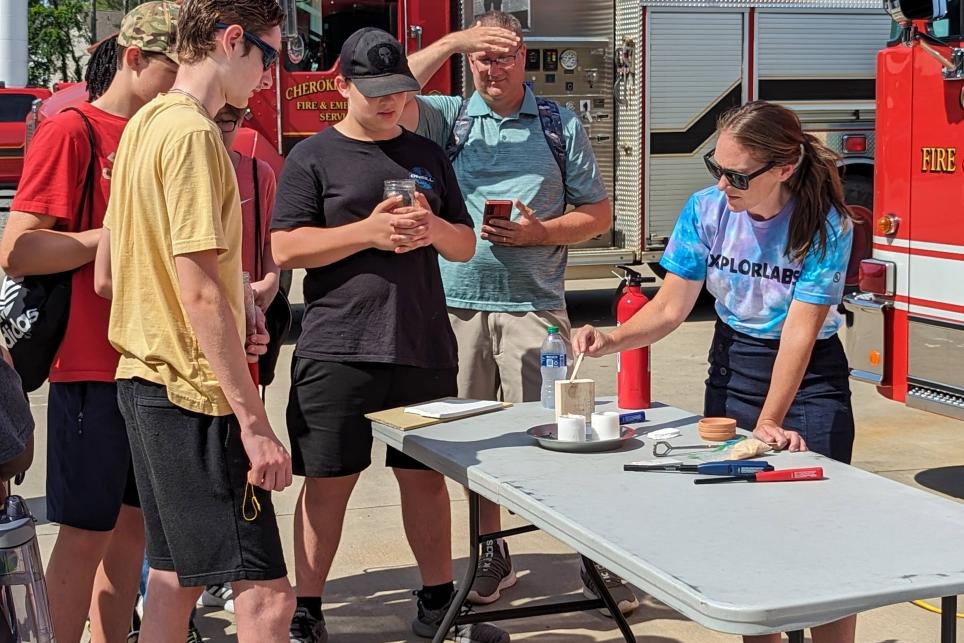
(741,558)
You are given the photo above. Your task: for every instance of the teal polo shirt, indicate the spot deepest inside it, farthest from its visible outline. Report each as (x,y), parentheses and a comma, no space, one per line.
(509,158)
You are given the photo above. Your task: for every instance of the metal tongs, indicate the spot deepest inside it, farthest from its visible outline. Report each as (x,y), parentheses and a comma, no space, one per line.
(662,448)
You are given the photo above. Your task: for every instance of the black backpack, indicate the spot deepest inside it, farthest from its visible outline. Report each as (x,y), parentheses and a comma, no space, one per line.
(551,128)
(277,319)
(34,309)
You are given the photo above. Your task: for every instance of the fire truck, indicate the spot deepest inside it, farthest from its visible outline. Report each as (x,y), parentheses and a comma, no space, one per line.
(648,79)
(906,322)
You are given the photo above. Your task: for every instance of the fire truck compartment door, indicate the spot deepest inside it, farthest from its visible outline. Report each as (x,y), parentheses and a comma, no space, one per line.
(935,354)
(687,91)
(864,339)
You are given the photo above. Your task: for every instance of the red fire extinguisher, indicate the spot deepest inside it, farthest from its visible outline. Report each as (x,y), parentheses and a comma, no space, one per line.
(632,366)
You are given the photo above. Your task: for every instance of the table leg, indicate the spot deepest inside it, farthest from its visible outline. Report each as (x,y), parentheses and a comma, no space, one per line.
(607,599)
(949,619)
(795,636)
(449,620)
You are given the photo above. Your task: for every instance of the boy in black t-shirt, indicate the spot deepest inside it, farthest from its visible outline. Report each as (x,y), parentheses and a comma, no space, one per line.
(375,332)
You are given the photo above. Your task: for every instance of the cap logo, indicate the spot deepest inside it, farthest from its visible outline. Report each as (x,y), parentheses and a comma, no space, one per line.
(384,56)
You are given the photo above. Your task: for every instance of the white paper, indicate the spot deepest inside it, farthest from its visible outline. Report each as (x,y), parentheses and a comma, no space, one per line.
(452,407)
(663,434)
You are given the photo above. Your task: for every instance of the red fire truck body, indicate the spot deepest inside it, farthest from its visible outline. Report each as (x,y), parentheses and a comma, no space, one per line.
(906,325)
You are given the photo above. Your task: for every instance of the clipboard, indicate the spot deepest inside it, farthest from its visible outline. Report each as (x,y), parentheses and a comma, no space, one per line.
(397,418)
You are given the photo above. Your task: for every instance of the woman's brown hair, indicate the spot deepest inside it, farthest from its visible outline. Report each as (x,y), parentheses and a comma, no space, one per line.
(773,134)
(195,23)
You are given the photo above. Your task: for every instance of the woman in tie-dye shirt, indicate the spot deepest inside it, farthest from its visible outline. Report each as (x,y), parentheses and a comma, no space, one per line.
(771,241)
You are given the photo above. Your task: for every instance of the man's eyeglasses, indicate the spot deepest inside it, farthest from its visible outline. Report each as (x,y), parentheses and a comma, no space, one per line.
(269,55)
(227,126)
(505,62)
(739,180)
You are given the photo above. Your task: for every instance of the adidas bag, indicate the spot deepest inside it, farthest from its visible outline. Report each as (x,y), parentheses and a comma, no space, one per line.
(33,320)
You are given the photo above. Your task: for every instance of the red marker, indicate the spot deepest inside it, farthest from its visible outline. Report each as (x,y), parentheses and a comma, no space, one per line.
(783,475)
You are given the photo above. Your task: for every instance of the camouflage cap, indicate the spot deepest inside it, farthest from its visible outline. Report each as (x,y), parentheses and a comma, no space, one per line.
(151,26)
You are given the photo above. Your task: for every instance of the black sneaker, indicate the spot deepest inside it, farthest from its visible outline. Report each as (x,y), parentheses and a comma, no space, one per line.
(625,599)
(494,574)
(428,621)
(305,628)
(193,634)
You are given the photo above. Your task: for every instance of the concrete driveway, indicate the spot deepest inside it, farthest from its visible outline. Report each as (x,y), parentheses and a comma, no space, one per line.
(369,599)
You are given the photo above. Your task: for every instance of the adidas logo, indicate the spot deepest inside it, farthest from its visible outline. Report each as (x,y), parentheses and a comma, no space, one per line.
(8,295)
(13,330)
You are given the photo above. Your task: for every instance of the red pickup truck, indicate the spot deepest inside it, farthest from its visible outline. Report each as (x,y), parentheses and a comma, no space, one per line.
(15,105)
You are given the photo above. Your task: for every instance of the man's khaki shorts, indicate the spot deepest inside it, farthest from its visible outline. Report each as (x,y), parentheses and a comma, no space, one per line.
(499,352)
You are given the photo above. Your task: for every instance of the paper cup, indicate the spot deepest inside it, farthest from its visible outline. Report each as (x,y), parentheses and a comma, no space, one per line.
(571,428)
(605,426)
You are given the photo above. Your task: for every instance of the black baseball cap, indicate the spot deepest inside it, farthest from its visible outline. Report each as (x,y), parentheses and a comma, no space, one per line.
(376,63)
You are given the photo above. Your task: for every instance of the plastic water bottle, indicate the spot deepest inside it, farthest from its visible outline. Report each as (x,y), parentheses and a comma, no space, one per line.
(552,359)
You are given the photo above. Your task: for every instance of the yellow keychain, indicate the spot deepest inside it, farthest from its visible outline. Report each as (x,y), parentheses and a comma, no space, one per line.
(255,505)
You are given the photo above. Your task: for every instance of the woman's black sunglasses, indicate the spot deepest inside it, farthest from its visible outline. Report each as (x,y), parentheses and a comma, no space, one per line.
(739,180)
(269,55)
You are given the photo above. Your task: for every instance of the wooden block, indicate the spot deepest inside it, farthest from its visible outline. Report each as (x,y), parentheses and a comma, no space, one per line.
(576,396)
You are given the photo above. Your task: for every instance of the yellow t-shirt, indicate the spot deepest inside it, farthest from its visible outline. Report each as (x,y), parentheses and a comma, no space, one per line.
(173,192)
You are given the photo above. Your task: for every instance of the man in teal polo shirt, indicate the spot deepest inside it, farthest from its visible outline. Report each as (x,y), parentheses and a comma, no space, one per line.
(503,300)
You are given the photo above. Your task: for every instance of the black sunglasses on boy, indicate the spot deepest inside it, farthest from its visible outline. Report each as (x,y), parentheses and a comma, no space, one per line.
(269,55)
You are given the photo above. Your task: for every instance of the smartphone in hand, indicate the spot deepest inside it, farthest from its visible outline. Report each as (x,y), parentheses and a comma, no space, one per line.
(496,209)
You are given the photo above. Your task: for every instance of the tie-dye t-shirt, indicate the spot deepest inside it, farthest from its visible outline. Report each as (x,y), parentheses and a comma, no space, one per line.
(745,268)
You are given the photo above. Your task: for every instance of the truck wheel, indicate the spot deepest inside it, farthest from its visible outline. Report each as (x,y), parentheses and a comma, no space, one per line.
(859,195)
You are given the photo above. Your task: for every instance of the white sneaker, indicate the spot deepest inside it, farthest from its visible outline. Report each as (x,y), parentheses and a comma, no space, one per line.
(220,595)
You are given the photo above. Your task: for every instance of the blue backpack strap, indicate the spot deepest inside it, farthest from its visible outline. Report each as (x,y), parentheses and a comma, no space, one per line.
(549,117)
(460,131)
(552,130)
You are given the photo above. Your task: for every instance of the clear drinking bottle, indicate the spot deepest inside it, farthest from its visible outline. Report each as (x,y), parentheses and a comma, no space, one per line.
(24,614)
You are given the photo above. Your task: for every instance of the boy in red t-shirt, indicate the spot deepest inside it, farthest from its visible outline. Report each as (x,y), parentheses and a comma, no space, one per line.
(256,206)
(90,484)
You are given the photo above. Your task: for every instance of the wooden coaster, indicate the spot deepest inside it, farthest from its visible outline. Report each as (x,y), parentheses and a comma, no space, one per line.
(717,429)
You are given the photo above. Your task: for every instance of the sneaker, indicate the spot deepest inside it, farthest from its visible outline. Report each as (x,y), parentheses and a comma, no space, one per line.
(305,628)
(493,574)
(193,635)
(625,599)
(220,595)
(427,622)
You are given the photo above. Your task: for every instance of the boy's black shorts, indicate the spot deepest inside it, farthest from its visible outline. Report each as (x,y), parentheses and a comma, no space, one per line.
(192,472)
(329,433)
(89,473)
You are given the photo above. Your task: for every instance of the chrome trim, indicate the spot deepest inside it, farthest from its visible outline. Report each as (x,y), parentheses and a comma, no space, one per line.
(935,352)
(865,332)
(600,256)
(415,31)
(278,104)
(936,401)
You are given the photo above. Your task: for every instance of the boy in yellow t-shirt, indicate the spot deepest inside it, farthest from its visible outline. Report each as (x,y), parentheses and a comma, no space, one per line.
(205,457)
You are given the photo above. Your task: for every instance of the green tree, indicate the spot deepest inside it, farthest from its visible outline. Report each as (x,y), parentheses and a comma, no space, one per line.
(55,28)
